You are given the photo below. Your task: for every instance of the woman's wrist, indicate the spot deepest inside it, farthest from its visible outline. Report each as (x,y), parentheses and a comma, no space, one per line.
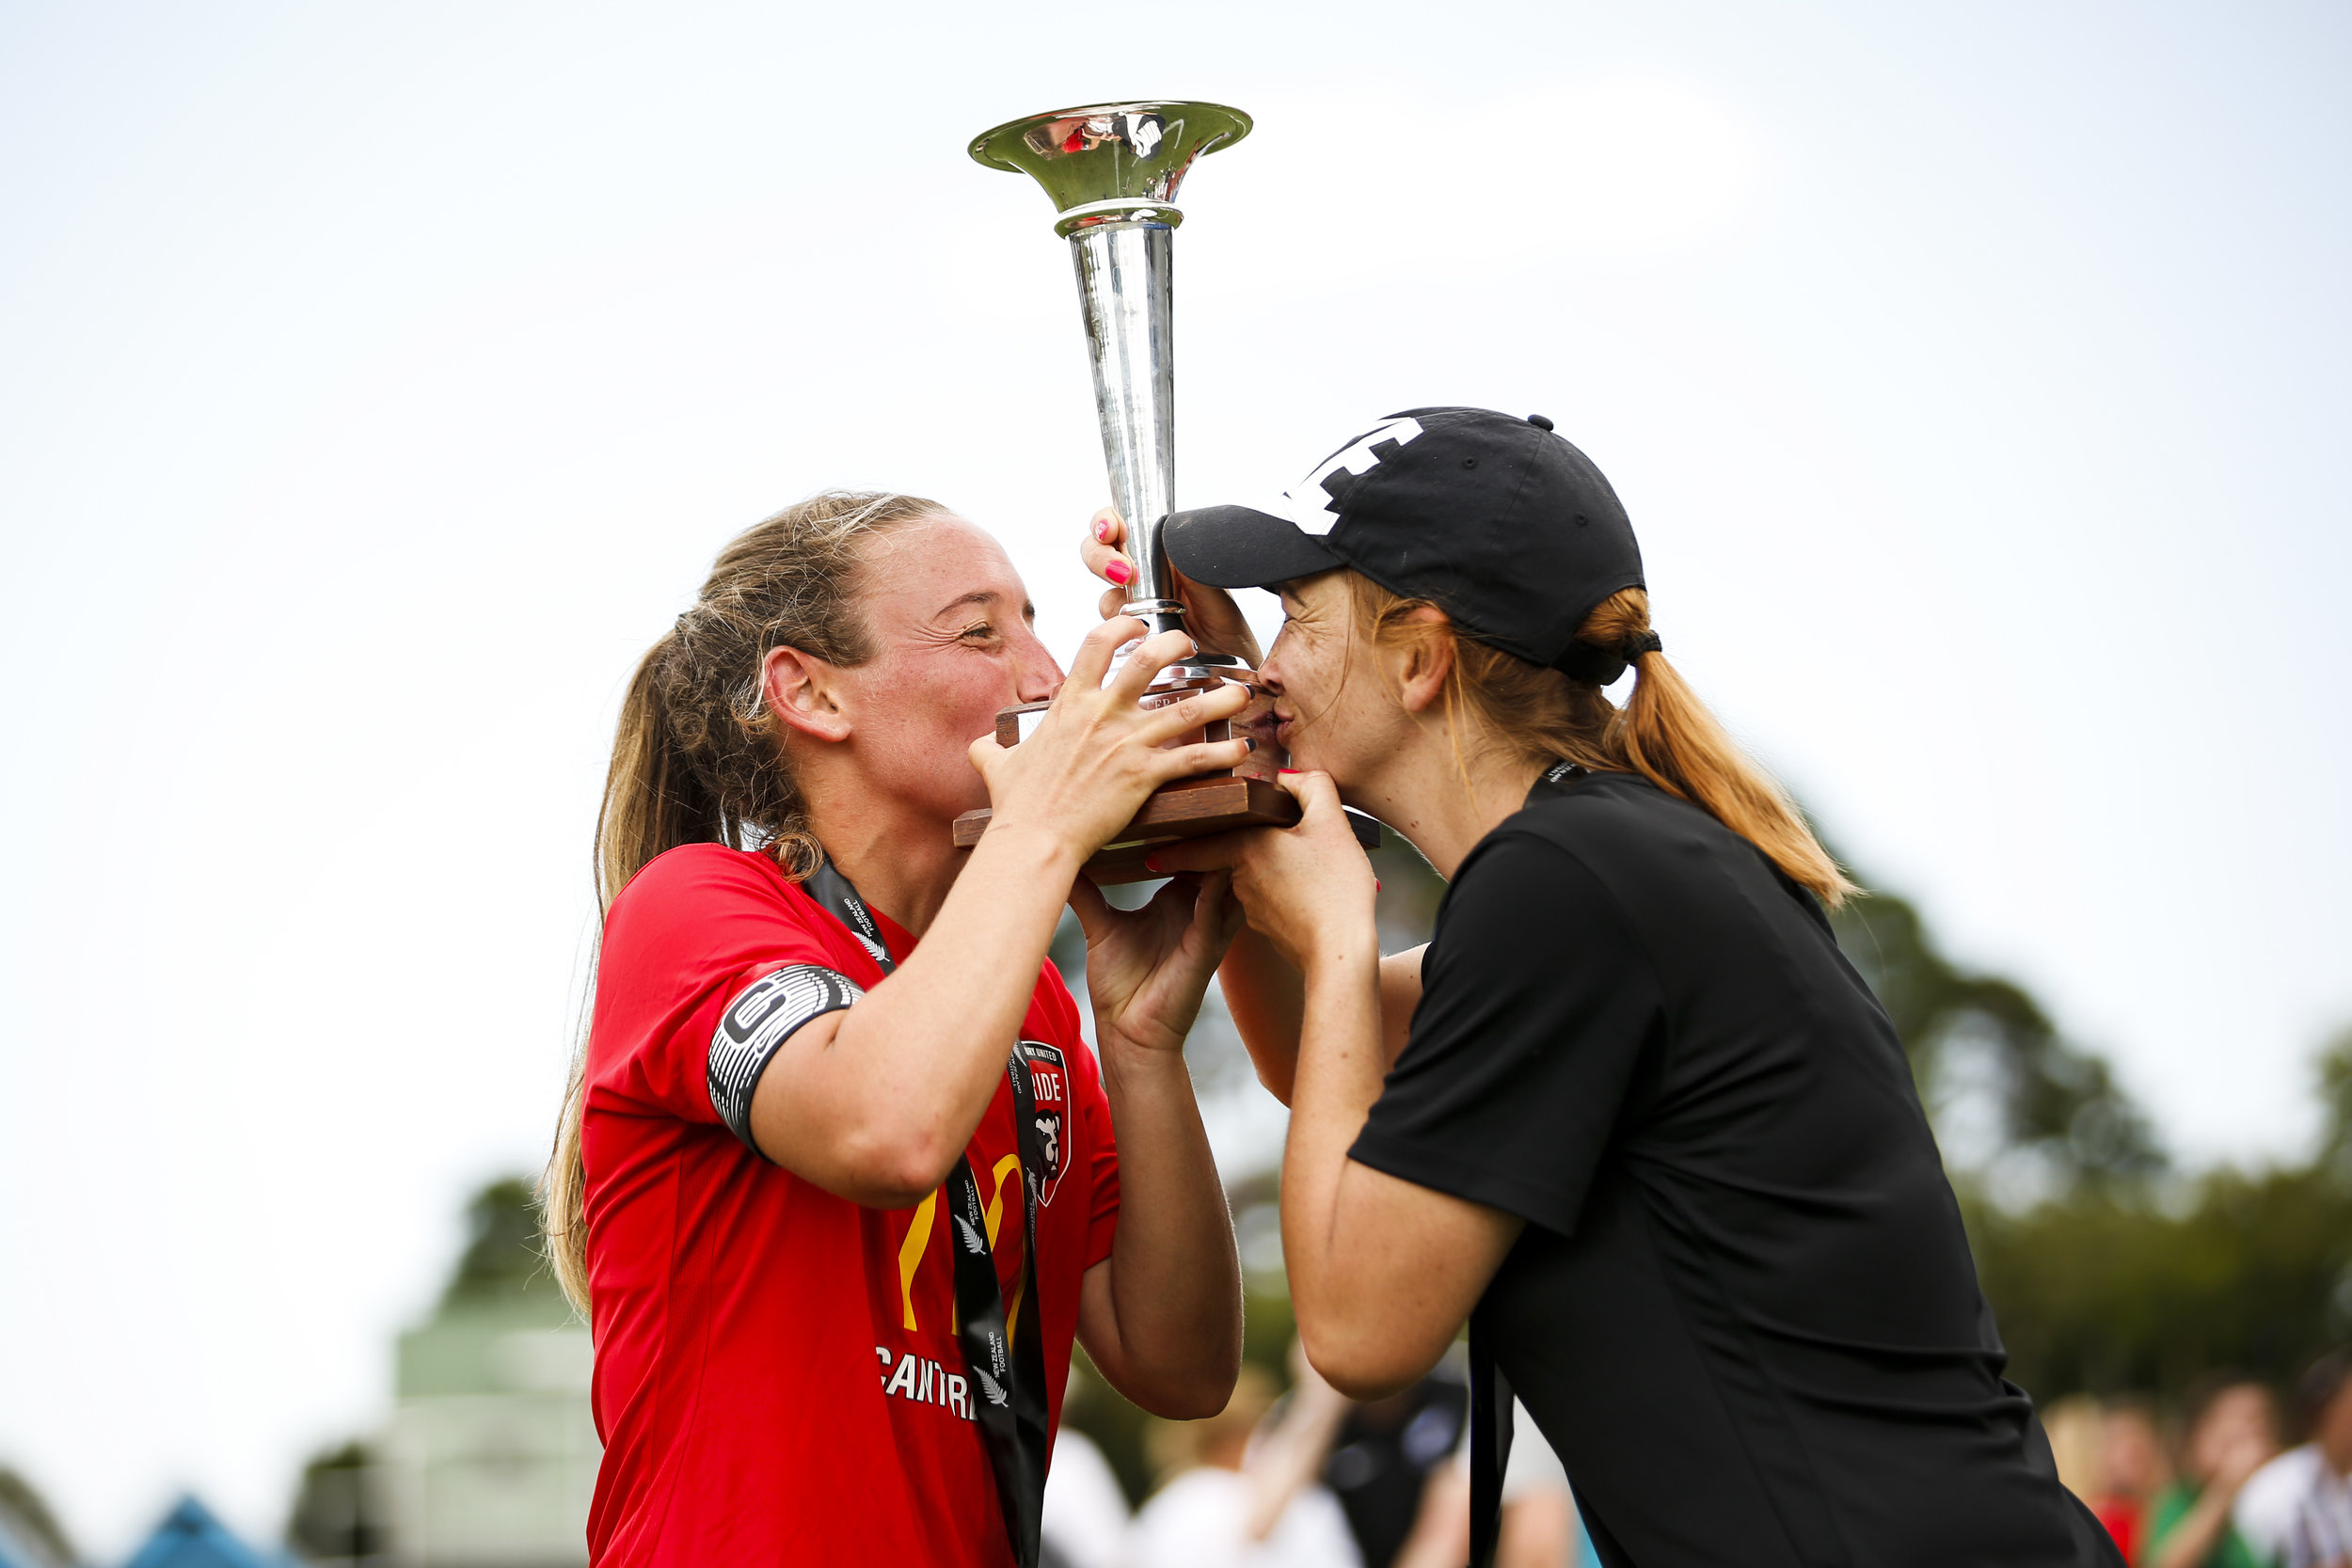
(1342,963)
(1032,847)
(1341,949)
(1129,1063)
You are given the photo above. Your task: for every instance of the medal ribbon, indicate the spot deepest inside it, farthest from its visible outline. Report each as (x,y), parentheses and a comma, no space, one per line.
(1006,1370)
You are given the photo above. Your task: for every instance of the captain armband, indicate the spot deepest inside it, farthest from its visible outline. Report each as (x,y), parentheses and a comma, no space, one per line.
(757,1023)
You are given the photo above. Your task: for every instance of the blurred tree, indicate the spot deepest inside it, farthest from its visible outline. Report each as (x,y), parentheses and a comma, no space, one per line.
(24,1508)
(2335,1097)
(1980,1043)
(502,1255)
(2103,1281)
(340,1517)
(2102,1291)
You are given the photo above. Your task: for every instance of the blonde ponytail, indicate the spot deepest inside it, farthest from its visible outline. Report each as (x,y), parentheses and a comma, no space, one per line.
(697,758)
(1664,733)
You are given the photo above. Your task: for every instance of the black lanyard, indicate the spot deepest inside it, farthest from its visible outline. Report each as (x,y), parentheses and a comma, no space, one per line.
(1490,1441)
(1007,1379)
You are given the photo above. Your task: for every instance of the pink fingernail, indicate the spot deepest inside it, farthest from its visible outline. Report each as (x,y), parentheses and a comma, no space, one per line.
(1151,862)
(1289,770)
(1118,571)
(1375,885)
(1102,528)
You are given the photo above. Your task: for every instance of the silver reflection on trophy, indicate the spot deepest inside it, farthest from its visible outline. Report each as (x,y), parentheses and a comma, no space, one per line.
(1112,172)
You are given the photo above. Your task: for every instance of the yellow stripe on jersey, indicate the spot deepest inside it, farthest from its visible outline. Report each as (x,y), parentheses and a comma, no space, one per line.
(918,1238)
(911,1254)
(997,1204)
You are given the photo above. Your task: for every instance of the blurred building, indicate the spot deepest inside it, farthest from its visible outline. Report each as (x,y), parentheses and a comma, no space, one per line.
(191,1537)
(489,1460)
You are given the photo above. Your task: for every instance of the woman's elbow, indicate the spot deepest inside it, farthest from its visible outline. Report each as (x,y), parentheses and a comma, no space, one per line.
(1362,1363)
(906,1176)
(1277,1078)
(886,1164)
(1195,1396)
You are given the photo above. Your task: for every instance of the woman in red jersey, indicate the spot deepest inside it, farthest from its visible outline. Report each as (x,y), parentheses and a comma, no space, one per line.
(837,1181)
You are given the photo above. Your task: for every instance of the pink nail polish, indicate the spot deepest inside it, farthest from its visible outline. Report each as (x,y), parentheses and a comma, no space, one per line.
(1102,528)
(1151,862)
(1289,770)
(1118,571)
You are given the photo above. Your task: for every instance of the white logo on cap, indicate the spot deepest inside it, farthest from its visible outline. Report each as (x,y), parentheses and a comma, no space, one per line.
(1309,506)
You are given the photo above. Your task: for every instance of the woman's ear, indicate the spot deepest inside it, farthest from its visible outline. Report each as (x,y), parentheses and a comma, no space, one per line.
(800,690)
(1418,666)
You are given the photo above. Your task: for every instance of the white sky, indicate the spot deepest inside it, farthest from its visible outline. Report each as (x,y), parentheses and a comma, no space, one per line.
(375,382)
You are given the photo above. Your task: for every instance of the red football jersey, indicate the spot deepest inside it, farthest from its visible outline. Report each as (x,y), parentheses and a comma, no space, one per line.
(778,1378)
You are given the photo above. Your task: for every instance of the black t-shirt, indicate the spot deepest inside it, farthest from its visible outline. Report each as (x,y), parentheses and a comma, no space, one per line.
(1743,1310)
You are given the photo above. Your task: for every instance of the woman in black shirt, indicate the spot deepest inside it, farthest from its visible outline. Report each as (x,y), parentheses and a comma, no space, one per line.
(1630,1113)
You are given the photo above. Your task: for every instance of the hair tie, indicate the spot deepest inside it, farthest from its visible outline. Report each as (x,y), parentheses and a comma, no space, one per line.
(1589,661)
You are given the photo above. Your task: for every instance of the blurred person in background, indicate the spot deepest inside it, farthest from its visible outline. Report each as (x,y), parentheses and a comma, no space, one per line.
(2298,1508)
(2132,1470)
(1085,1520)
(1540,1528)
(1223,1505)
(836,1182)
(2075,1425)
(1384,1453)
(2231,1431)
(1630,1113)
(1407,1499)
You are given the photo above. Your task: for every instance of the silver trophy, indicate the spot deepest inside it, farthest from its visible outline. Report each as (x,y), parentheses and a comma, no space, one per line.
(1112,172)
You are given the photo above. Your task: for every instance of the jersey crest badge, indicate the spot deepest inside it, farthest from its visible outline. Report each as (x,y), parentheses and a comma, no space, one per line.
(1049,1107)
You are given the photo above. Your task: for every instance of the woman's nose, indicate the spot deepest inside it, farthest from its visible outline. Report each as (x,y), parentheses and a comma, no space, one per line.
(1269,670)
(1037,677)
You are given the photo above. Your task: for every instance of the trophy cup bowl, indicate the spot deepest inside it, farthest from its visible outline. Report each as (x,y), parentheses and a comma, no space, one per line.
(1112,171)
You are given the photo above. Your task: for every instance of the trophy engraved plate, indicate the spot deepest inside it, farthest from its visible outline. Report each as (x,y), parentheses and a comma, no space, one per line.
(1112,171)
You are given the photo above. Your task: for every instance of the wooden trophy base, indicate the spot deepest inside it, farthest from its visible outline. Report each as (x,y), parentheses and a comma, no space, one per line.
(1189,808)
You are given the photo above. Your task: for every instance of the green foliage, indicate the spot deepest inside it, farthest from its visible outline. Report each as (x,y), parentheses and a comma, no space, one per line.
(503,1256)
(22,1505)
(2335,1095)
(2051,1100)
(2110,1284)
(2103,1293)
(340,1512)
(2107,1289)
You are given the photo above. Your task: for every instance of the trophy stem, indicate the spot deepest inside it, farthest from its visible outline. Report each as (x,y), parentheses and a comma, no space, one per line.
(1125,292)
(1112,170)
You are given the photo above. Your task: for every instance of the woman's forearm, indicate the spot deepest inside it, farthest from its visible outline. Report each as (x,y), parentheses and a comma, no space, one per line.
(1340,1069)
(1171,1337)
(1268,1001)
(1383,1270)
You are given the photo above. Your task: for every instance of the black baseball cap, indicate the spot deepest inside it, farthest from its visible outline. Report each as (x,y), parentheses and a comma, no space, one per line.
(1503,524)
